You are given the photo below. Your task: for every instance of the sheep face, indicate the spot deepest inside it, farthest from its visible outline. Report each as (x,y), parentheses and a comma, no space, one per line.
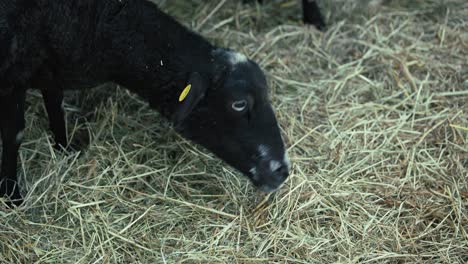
(234,119)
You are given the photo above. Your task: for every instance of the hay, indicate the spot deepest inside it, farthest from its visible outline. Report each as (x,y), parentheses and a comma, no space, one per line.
(374,112)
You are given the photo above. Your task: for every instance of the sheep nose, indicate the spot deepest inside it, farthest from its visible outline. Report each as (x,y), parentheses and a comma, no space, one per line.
(279,171)
(274,176)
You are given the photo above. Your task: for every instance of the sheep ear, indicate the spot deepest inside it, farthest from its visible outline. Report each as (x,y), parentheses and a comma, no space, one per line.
(189,96)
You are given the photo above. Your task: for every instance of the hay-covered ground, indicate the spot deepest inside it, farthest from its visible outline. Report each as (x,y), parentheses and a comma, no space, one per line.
(374,112)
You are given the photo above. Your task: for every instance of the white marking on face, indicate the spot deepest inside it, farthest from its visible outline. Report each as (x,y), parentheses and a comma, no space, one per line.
(263,151)
(253,171)
(19,136)
(236,58)
(274,165)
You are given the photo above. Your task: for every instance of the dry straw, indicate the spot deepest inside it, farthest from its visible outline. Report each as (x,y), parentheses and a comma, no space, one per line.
(374,112)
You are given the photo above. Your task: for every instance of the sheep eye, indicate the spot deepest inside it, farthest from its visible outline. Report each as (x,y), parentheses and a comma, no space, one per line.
(239,106)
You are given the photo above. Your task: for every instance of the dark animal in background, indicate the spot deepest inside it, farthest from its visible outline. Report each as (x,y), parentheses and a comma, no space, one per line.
(215,97)
(310,13)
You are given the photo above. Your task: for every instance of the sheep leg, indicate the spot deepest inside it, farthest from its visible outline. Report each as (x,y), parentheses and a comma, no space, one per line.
(11,128)
(53,102)
(311,14)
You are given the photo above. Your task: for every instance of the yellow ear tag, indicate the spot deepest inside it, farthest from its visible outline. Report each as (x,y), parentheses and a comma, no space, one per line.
(184,93)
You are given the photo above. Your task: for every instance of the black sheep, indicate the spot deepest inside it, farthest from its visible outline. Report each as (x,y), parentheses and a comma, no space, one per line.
(215,97)
(310,13)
